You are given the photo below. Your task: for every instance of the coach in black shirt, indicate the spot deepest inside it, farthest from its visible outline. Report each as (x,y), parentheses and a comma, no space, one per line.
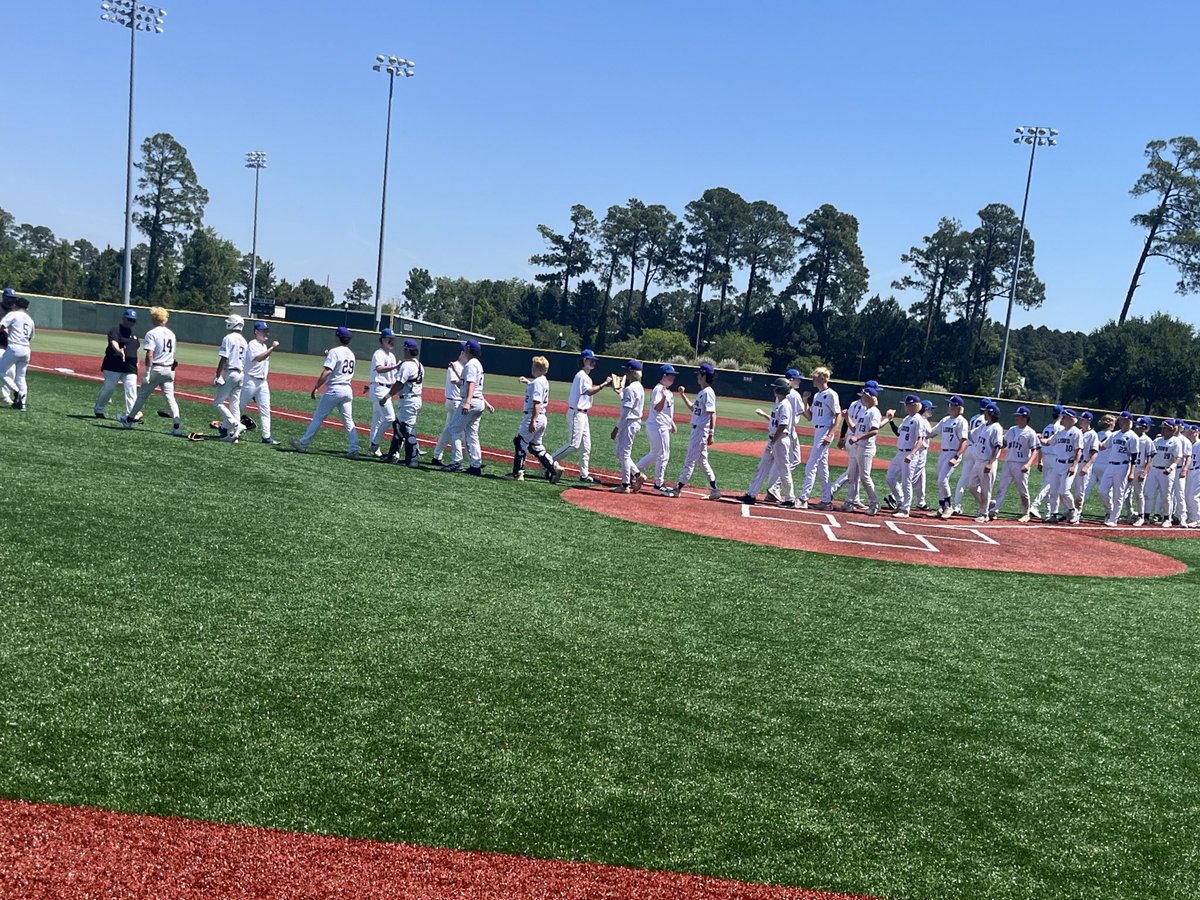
(120,364)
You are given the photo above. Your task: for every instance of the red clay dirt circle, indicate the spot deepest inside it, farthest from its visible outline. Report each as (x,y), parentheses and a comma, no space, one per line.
(999,546)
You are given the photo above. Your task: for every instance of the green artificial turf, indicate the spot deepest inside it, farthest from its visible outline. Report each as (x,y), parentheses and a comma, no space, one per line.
(299,641)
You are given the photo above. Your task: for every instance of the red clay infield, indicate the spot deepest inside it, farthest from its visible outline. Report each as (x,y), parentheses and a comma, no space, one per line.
(79,853)
(755,448)
(1000,546)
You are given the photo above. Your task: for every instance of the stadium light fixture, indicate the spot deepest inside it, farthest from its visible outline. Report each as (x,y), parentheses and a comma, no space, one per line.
(256,160)
(392,66)
(1035,136)
(149,19)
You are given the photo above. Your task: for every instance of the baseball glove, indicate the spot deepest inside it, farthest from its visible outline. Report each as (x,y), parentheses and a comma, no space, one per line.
(618,383)
(195,436)
(248,423)
(164,414)
(214,425)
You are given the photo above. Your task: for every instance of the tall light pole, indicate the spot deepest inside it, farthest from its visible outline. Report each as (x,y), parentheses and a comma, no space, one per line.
(393,66)
(1035,136)
(136,17)
(256,160)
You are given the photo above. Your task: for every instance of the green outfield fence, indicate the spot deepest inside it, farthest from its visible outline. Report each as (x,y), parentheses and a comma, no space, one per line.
(97,317)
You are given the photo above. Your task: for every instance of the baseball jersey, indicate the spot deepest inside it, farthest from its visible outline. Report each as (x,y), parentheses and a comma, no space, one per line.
(1066,443)
(666,416)
(633,401)
(380,359)
(796,401)
(411,376)
(1163,453)
(783,416)
(1124,447)
(1145,449)
(953,431)
(233,351)
(1049,451)
(454,381)
(978,420)
(1103,448)
(537,391)
(866,419)
(20,328)
(579,398)
(1181,447)
(926,431)
(986,440)
(257,370)
(1195,464)
(705,408)
(472,373)
(160,344)
(909,433)
(1020,444)
(1089,443)
(340,363)
(826,405)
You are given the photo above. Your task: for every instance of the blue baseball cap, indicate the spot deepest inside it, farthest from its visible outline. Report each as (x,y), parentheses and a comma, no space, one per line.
(1022,411)
(791,373)
(992,408)
(261,326)
(870,392)
(10,294)
(1145,420)
(410,344)
(912,398)
(984,402)
(473,346)
(708,369)
(1125,414)
(872,384)
(587,354)
(386,334)
(667,369)
(130,314)
(1191,426)
(926,404)
(1058,410)
(1086,415)
(1070,412)
(633,364)
(955,401)
(343,332)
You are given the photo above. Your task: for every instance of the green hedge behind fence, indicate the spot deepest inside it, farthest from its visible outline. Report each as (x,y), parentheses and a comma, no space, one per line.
(95,317)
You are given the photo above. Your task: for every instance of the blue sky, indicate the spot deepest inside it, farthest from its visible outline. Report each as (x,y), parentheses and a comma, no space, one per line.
(896,113)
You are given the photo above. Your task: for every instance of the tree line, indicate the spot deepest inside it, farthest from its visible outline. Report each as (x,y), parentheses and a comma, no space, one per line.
(733,280)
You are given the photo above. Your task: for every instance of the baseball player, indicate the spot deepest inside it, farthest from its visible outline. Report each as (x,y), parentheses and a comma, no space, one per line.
(1104,429)
(920,473)
(704,430)
(337,376)
(470,411)
(852,411)
(952,430)
(861,448)
(966,471)
(453,395)
(579,406)
(529,436)
(1191,515)
(1064,465)
(911,438)
(779,455)
(1183,447)
(1046,460)
(633,405)
(1137,487)
(408,387)
(231,363)
(1021,446)
(799,405)
(7,305)
(17,327)
(986,444)
(120,364)
(159,370)
(1160,468)
(384,366)
(825,413)
(254,384)
(1089,448)
(1117,471)
(660,425)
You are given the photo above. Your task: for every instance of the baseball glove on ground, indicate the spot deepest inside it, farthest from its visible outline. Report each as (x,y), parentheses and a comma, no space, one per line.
(195,436)
(248,423)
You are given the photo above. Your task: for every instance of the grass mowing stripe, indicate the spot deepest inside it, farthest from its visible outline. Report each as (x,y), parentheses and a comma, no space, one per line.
(302,642)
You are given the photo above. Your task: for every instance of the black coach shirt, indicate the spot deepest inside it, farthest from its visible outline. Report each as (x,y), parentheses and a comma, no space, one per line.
(129,342)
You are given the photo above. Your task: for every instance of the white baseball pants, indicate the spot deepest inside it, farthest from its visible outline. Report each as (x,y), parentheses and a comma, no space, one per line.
(227,399)
(1060,488)
(579,438)
(1113,480)
(162,377)
(258,392)
(817,468)
(944,469)
(466,436)
(627,430)
(777,462)
(449,430)
(660,450)
(127,380)
(340,398)
(383,416)
(697,454)
(13,364)
(981,484)
(1191,496)
(858,474)
(966,477)
(1158,485)
(1010,475)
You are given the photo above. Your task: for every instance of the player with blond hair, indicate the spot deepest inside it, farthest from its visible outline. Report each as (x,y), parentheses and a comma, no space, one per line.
(533,426)
(825,412)
(159,374)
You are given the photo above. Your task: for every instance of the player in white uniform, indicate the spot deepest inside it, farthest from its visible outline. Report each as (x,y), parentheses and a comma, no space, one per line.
(660,425)
(1179,483)
(384,366)
(1063,468)
(1045,462)
(408,388)
(779,454)
(231,365)
(1161,469)
(453,395)
(799,408)
(1136,494)
(7,304)
(852,411)
(18,328)
(529,437)
(254,385)
(861,448)
(986,444)
(337,376)
(825,413)
(1190,517)
(920,471)
(952,430)
(911,438)
(1089,447)
(579,407)
(159,345)
(1021,446)
(1117,471)
(704,430)
(1103,430)
(470,411)
(966,472)
(629,423)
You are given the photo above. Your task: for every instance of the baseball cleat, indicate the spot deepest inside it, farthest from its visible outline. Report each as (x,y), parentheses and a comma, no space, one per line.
(413,464)
(588,479)
(620,489)
(982,520)
(1109,524)
(375,451)
(773,497)
(1166,523)
(176,432)
(351,454)
(1024,519)
(801,504)
(873,509)
(890,501)
(924,507)
(270,441)
(900,514)
(436,461)
(639,481)
(714,494)
(787,504)
(124,421)
(295,444)
(475,470)
(99,415)
(514,476)
(230,438)
(748,499)
(139,419)
(452,467)
(1138,522)
(556,473)
(847,506)
(393,458)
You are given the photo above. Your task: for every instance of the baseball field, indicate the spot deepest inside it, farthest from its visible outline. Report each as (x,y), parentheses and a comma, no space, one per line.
(332,649)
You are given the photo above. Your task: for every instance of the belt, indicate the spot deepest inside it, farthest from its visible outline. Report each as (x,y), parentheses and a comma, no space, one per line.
(231,371)
(1125,463)
(161,365)
(575,410)
(1160,468)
